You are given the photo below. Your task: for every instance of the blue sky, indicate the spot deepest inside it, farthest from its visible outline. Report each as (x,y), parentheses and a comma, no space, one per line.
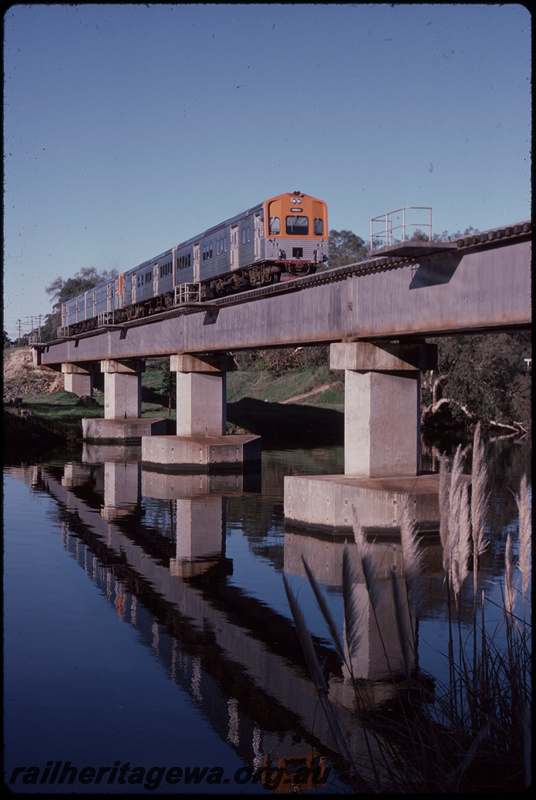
(129,128)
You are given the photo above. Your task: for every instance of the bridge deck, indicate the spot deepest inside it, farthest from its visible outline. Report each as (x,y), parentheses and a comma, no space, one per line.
(477,286)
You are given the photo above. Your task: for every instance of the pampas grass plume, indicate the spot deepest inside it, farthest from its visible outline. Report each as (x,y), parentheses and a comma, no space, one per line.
(524,506)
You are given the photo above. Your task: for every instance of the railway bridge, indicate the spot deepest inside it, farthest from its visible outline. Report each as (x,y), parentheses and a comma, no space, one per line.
(376,315)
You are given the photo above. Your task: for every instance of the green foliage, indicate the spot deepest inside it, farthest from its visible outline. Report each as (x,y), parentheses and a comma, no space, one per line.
(159,382)
(61,290)
(279,360)
(345,247)
(484,377)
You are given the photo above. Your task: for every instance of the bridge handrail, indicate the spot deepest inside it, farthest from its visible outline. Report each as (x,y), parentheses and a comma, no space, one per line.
(387,231)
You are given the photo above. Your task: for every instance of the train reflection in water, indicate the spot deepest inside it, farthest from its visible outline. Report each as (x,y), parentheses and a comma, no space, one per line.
(155,544)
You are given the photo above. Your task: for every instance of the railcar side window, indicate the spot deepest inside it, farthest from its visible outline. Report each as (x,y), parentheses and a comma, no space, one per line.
(183,262)
(275,225)
(318,226)
(297,226)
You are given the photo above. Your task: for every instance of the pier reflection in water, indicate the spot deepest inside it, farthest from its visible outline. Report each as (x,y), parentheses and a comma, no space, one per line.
(193,563)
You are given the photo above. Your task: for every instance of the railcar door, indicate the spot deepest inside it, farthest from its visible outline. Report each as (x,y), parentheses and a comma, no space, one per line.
(197,263)
(234,247)
(258,236)
(155,280)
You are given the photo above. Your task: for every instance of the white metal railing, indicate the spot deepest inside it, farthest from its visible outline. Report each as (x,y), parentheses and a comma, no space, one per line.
(187,293)
(386,236)
(105,318)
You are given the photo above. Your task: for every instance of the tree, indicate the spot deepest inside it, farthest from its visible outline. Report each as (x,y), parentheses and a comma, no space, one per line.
(346,247)
(481,377)
(61,290)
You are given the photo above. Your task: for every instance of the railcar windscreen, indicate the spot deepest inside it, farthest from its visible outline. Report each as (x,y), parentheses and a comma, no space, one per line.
(297,226)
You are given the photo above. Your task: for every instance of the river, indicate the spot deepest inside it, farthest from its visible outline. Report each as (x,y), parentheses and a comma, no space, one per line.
(148,641)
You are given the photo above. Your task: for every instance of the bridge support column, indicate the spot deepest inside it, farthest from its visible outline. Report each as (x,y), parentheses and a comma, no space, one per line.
(382,406)
(201,443)
(122,388)
(201,394)
(77,379)
(381,445)
(122,406)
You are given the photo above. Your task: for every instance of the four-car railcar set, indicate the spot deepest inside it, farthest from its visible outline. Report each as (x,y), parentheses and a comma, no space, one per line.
(285,235)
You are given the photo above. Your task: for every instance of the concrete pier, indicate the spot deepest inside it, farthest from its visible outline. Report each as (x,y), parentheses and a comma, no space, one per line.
(201,444)
(127,431)
(381,445)
(122,388)
(326,502)
(77,379)
(382,405)
(201,453)
(201,393)
(122,406)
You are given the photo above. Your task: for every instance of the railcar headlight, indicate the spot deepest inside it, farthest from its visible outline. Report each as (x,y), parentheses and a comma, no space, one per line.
(295,200)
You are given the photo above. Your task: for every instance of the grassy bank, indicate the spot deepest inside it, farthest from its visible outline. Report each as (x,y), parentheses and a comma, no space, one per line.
(257,402)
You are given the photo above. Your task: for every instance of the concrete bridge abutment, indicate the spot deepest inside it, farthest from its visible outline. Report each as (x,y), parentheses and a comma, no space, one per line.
(381,444)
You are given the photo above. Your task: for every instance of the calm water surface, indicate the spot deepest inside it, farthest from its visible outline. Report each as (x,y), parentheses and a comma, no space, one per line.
(148,642)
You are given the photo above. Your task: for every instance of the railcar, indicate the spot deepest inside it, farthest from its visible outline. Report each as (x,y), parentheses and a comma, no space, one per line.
(286,235)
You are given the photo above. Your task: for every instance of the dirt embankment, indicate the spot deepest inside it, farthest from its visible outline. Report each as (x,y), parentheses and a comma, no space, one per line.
(21,378)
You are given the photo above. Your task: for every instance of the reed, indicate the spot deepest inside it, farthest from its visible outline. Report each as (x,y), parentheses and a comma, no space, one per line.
(473,733)
(524,506)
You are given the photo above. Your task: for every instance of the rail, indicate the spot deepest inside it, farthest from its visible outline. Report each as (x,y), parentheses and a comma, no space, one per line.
(386,236)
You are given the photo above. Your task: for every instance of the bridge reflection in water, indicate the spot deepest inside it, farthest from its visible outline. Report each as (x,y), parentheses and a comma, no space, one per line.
(157,550)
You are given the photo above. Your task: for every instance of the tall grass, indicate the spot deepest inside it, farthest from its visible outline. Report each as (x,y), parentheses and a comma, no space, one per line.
(472,733)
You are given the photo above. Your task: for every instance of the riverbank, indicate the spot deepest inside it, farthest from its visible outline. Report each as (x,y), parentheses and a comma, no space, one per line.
(286,410)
